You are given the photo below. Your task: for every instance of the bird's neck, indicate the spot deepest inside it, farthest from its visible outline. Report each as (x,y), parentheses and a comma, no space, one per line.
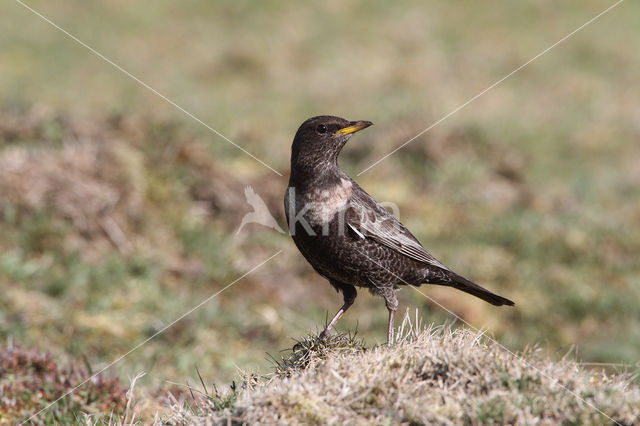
(315,174)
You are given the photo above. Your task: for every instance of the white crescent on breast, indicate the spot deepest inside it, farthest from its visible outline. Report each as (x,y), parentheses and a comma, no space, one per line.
(323,204)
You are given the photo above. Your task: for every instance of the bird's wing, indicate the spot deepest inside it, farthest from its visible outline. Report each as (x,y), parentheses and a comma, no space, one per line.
(375,222)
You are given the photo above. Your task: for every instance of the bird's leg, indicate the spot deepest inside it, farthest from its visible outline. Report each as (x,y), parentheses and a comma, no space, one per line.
(333,322)
(349,294)
(392,305)
(390,327)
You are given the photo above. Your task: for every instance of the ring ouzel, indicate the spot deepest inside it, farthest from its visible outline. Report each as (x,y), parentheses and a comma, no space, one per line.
(348,237)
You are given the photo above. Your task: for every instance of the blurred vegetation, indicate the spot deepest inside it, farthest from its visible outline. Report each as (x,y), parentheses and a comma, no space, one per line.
(118,213)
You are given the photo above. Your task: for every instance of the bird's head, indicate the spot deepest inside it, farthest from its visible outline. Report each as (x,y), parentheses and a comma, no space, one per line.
(320,139)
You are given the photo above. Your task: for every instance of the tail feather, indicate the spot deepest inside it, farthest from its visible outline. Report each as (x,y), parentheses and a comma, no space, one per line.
(461,283)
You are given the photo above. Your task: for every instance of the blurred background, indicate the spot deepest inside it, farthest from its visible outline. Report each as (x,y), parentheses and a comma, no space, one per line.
(118,212)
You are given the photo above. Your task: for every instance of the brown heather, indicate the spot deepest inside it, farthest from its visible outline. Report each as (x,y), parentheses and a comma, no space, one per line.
(30,378)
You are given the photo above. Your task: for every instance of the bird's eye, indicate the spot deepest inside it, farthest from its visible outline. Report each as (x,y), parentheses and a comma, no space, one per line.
(321,128)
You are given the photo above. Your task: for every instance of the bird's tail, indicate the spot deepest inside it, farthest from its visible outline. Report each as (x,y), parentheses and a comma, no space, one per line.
(461,283)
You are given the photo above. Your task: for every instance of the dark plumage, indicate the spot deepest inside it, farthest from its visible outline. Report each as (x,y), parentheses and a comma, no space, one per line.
(346,235)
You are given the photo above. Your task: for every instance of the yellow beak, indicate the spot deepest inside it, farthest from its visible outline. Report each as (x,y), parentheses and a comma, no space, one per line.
(355,126)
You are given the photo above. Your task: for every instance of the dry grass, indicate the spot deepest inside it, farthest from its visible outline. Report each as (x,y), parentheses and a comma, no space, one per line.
(433,375)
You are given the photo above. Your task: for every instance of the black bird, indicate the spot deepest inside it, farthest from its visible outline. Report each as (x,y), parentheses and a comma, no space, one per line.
(348,237)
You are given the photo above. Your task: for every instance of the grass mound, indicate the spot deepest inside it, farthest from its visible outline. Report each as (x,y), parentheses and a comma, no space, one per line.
(311,349)
(432,375)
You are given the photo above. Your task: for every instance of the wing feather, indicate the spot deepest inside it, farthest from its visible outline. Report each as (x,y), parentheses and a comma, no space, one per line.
(374,222)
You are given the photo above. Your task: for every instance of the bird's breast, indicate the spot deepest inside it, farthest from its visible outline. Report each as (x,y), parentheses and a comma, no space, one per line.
(324,203)
(318,206)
